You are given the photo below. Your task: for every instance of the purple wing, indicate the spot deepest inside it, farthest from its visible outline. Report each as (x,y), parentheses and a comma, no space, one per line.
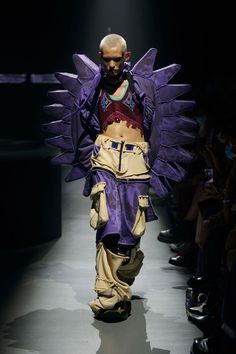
(170,129)
(74,143)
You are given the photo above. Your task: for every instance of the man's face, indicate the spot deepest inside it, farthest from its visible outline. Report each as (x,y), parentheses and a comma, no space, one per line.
(113,59)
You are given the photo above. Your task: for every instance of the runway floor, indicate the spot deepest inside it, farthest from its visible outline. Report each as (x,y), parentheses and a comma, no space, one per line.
(44,303)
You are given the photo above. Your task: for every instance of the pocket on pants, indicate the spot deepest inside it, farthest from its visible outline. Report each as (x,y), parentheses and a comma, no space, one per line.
(98,212)
(140,220)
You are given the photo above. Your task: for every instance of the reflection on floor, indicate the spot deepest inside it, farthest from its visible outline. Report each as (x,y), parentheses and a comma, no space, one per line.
(44,300)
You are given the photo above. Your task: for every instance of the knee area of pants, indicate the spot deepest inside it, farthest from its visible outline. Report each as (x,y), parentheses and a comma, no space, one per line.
(124,250)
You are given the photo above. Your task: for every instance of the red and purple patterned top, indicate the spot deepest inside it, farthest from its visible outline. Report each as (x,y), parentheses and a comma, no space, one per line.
(112,109)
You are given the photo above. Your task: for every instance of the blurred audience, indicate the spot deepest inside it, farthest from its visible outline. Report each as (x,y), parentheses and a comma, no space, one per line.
(203,234)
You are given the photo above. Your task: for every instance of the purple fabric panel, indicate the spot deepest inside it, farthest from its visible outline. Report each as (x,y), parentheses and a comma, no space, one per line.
(149,111)
(147,100)
(85,90)
(171,171)
(76,173)
(179,123)
(57,110)
(169,92)
(65,158)
(144,67)
(158,186)
(122,204)
(85,67)
(82,142)
(83,99)
(154,141)
(150,213)
(86,149)
(57,127)
(93,121)
(176,107)
(62,96)
(62,142)
(69,82)
(88,184)
(84,156)
(162,76)
(174,154)
(172,138)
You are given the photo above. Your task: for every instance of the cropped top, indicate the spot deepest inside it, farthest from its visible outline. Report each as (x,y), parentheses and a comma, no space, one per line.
(112,109)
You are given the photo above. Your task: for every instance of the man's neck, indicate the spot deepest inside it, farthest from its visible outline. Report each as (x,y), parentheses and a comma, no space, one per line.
(111,85)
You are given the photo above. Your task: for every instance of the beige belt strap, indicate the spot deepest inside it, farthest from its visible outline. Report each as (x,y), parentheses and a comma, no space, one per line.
(140,222)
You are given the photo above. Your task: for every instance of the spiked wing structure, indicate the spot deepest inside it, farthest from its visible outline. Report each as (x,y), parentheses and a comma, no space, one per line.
(168,128)
(72,138)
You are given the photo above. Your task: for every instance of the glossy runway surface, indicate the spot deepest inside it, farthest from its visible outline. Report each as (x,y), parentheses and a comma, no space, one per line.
(44,305)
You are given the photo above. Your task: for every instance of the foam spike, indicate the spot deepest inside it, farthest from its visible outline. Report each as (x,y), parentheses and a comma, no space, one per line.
(62,142)
(176,107)
(179,123)
(75,173)
(57,127)
(169,170)
(174,138)
(85,67)
(56,110)
(144,67)
(174,154)
(157,185)
(162,76)
(69,81)
(169,92)
(66,158)
(62,96)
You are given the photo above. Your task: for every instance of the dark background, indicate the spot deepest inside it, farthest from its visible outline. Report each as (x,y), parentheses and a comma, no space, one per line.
(42,37)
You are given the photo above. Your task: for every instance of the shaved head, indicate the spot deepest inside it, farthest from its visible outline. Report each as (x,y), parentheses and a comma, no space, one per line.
(113,53)
(112,40)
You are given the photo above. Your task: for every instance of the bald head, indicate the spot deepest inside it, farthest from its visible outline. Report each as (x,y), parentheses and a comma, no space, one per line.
(113,40)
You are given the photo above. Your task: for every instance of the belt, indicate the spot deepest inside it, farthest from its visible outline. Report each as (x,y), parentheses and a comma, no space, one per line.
(126,146)
(118,145)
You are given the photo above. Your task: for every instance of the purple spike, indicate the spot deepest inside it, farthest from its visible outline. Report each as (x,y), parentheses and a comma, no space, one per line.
(57,127)
(86,89)
(85,67)
(179,123)
(157,185)
(62,96)
(169,92)
(162,76)
(75,173)
(171,171)
(61,141)
(69,81)
(56,110)
(174,154)
(176,107)
(144,67)
(86,151)
(173,138)
(66,158)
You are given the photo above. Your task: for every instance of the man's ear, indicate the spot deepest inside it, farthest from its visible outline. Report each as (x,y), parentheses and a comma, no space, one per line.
(127,56)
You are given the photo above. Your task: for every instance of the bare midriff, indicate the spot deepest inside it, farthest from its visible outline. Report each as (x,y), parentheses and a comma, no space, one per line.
(120,131)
